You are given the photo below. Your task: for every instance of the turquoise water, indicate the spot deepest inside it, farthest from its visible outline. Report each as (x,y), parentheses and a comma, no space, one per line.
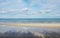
(31,20)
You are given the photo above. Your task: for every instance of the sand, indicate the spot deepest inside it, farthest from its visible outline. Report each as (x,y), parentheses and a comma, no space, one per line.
(44,25)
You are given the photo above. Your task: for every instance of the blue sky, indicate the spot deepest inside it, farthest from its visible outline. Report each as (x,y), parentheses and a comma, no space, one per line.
(29,8)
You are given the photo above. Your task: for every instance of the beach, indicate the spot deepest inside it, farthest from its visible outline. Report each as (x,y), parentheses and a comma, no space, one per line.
(46,25)
(34,30)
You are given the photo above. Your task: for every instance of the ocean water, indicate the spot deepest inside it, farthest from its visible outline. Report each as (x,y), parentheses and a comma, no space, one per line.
(31,20)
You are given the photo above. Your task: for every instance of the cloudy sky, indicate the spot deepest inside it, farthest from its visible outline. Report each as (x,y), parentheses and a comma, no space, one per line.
(29,8)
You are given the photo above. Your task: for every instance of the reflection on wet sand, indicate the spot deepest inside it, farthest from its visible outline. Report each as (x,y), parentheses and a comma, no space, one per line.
(28,32)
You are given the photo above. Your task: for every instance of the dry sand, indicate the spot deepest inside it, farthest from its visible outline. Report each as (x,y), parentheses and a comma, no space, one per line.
(45,25)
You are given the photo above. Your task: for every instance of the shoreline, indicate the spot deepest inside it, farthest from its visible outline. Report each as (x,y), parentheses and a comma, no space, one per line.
(44,25)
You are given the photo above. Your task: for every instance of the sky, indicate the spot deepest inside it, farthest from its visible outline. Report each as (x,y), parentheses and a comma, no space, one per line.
(29,8)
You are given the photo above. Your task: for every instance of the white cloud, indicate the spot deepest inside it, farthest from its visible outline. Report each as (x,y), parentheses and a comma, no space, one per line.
(25,9)
(13,9)
(3,11)
(19,1)
(4,3)
(45,11)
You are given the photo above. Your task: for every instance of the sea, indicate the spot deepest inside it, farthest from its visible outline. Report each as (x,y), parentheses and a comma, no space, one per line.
(31,20)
